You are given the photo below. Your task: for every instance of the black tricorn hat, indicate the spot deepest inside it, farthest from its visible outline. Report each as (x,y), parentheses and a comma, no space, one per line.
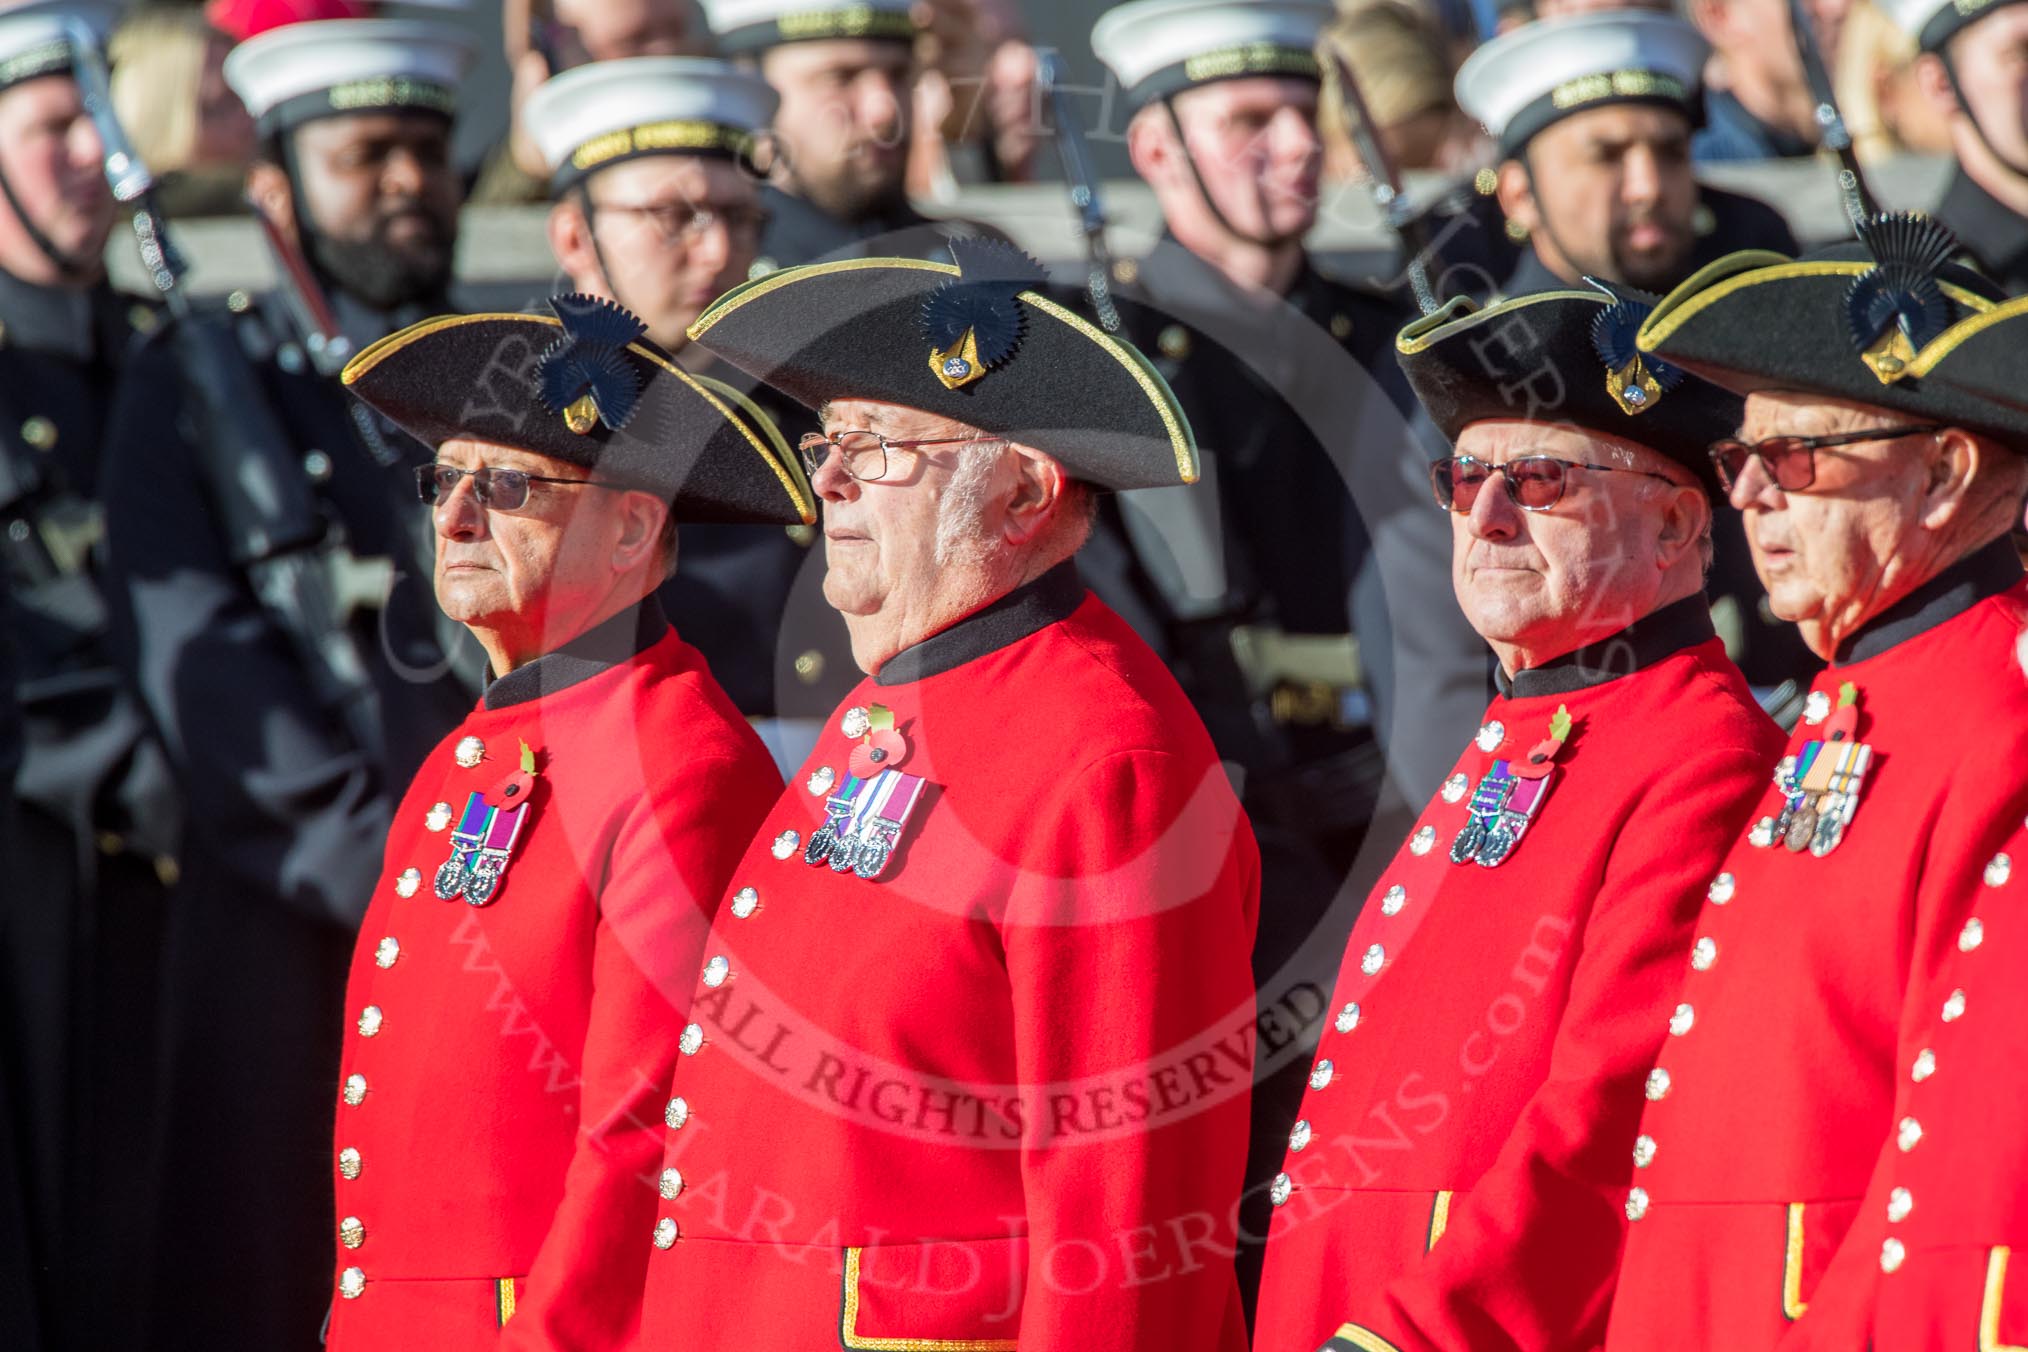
(1867,321)
(975,342)
(584,387)
(1985,357)
(1564,357)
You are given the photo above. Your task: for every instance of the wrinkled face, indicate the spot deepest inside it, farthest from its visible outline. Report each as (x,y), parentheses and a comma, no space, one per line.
(667,263)
(881,539)
(1991,61)
(844,119)
(1823,552)
(1614,194)
(383,200)
(541,569)
(1256,148)
(1551,581)
(52,156)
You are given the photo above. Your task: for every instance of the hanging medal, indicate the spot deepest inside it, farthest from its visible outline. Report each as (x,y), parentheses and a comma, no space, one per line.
(484,839)
(1508,799)
(864,820)
(1820,784)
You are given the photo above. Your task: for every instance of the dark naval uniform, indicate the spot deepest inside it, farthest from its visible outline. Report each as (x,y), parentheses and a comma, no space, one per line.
(798,231)
(1506,981)
(89,876)
(1993,232)
(289,797)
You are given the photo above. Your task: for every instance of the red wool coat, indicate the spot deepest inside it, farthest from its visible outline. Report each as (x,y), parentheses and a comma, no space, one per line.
(1773,1099)
(499,1111)
(995,1095)
(1454,1180)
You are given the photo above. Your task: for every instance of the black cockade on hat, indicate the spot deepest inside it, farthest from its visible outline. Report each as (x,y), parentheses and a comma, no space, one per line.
(585,374)
(974,321)
(1635,381)
(1897,306)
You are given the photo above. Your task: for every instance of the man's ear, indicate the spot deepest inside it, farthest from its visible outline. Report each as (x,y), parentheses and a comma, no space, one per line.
(268,188)
(642,516)
(571,243)
(1955,457)
(1712,18)
(1152,147)
(1935,84)
(1516,196)
(1035,495)
(1686,520)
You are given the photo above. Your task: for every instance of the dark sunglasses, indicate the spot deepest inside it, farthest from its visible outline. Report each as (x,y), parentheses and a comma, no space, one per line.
(1535,483)
(1792,461)
(504,490)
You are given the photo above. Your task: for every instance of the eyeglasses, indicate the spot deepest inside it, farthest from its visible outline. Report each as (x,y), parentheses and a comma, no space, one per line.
(863,454)
(504,490)
(1535,483)
(680,223)
(1792,461)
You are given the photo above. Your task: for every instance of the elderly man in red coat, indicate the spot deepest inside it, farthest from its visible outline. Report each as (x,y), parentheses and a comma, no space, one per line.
(1877,496)
(521,980)
(1454,1177)
(972,1036)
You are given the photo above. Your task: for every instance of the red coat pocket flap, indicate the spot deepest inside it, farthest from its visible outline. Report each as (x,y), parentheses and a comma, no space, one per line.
(956,1295)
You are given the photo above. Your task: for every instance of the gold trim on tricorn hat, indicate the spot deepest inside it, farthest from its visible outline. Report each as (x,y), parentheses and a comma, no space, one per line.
(1867,321)
(580,385)
(975,341)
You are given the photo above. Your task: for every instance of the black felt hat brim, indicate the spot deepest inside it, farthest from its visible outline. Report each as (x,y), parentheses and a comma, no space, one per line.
(1986,358)
(1533,359)
(700,445)
(852,329)
(1758,321)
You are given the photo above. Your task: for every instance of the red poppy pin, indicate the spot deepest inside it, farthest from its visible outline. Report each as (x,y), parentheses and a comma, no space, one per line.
(1843,724)
(882,748)
(1541,758)
(515,789)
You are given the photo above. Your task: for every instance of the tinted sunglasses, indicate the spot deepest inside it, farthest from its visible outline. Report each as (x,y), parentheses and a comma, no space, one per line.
(1534,483)
(504,490)
(1792,461)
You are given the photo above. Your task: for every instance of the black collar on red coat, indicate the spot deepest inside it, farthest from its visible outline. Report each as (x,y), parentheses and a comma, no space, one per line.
(607,644)
(1028,609)
(1662,633)
(1986,571)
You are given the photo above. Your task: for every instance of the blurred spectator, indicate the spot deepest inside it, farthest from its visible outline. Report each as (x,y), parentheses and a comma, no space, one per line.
(847,76)
(1398,56)
(974,118)
(1757,101)
(1974,71)
(184,121)
(547,37)
(1879,93)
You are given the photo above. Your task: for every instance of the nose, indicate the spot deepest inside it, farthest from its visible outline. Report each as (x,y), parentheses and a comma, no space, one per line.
(830,480)
(403,174)
(877,103)
(1640,177)
(1755,485)
(87,150)
(712,246)
(458,514)
(1293,137)
(1494,516)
